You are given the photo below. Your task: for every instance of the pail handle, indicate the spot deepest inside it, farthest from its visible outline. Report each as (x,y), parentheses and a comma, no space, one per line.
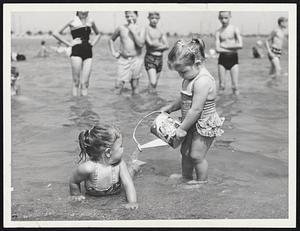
(134,131)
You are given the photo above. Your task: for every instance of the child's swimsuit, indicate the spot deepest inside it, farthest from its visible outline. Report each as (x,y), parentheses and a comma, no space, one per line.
(84,49)
(277,52)
(153,61)
(209,122)
(96,186)
(228,59)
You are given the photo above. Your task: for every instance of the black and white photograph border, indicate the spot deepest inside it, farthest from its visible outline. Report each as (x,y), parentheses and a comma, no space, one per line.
(44,117)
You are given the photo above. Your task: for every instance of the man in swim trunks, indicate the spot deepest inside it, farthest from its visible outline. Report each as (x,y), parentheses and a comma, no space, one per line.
(156,43)
(228,41)
(274,48)
(130,62)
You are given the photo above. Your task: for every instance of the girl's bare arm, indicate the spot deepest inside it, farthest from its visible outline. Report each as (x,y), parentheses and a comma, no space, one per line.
(97,32)
(57,34)
(128,183)
(174,106)
(80,174)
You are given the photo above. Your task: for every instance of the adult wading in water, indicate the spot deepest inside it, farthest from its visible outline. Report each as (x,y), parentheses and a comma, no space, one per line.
(81,27)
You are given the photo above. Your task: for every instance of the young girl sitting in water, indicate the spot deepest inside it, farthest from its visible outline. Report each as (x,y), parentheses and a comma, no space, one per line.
(105,171)
(200,121)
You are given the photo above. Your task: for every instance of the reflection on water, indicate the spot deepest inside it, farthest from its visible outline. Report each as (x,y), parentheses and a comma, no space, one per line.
(81,113)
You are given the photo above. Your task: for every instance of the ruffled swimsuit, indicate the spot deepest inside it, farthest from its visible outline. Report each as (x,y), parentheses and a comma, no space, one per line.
(99,184)
(209,123)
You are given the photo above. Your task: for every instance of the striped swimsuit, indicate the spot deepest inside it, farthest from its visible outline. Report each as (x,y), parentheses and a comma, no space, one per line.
(104,180)
(209,123)
(277,52)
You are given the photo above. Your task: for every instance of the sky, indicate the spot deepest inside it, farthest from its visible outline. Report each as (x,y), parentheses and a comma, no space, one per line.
(181,22)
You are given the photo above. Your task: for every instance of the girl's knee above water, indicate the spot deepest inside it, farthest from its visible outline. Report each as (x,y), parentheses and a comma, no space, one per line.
(103,170)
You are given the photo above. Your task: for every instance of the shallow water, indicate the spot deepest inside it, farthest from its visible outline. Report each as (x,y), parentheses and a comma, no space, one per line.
(46,121)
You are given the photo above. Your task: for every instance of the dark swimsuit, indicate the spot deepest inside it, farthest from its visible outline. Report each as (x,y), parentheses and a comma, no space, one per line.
(83,50)
(228,60)
(153,61)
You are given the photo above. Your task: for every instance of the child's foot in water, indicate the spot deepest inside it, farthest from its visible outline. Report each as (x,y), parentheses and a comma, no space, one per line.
(84,92)
(221,90)
(193,184)
(177,178)
(75,91)
(235,91)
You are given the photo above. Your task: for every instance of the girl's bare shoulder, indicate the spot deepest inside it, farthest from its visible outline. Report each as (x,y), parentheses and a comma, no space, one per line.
(87,166)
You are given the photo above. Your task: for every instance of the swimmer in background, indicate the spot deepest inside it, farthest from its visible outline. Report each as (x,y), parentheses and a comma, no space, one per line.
(129,54)
(228,42)
(61,49)
(14,84)
(81,27)
(103,171)
(274,47)
(156,44)
(44,51)
(257,51)
(17,57)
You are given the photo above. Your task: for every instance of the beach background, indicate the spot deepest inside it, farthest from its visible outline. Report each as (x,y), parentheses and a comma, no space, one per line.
(248,164)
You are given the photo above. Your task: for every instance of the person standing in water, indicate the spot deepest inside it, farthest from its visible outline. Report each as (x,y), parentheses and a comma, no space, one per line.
(156,43)
(130,62)
(274,47)
(228,41)
(200,122)
(44,51)
(81,27)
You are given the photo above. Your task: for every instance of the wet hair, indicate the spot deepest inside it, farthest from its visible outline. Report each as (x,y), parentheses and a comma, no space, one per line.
(187,53)
(220,12)
(95,141)
(281,19)
(43,42)
(153,13)
(136,12)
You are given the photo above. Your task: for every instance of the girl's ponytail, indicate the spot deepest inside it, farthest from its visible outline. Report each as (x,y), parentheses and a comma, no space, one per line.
(201,46)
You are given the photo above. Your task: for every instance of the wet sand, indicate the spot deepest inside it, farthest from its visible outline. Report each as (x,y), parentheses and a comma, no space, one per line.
(248,165)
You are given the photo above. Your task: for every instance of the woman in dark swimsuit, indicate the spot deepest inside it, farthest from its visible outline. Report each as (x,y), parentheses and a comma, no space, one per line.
(81,57)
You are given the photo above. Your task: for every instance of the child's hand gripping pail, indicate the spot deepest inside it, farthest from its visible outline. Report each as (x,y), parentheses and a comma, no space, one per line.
(164,127)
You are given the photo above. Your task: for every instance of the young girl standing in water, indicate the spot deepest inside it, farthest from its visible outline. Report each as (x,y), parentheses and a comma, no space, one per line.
(200,121)
(81,27)
(105,171)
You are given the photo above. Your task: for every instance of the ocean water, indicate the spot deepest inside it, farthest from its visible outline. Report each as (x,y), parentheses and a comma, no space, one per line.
(46,121)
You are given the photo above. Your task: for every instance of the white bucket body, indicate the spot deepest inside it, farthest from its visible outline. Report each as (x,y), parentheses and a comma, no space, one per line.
(164,127)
